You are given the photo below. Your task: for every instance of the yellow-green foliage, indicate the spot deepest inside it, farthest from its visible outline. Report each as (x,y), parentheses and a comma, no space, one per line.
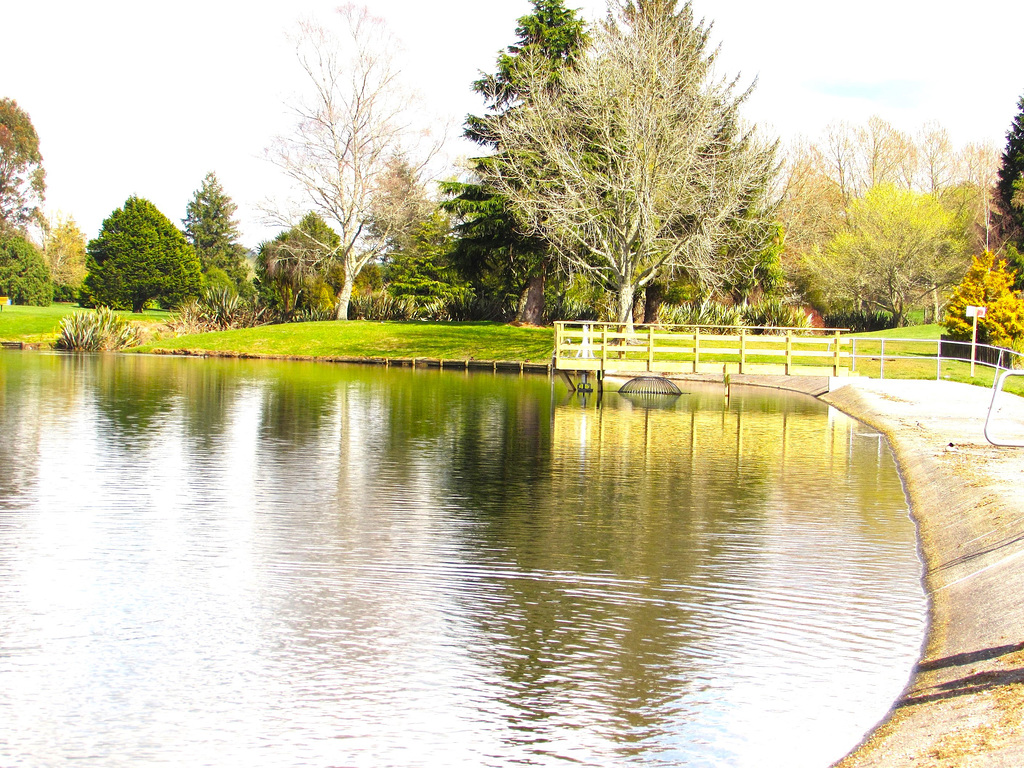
(987,284)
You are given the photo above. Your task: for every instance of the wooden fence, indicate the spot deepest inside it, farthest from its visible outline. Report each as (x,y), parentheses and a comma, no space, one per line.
(614,348)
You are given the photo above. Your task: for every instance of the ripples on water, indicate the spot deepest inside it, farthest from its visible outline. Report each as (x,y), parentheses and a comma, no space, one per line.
(212,563)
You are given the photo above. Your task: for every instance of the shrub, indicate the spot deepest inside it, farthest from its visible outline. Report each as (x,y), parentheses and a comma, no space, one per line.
(380,306)
(860,320)
(707,313)
(217,310)
(95,331)
(987,284)
(312,315)
(774,313)
(472,307)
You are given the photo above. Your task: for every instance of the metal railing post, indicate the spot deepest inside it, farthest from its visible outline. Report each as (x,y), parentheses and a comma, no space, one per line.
(881,360)
(997,387)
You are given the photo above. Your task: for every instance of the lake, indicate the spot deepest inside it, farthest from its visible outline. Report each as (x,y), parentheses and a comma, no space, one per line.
(211,562)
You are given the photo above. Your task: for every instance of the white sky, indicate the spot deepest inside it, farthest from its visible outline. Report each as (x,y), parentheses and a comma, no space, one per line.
(143,98)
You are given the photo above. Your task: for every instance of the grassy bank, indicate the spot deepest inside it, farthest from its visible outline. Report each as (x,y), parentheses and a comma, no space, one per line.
(39,325)
(449,341)
(466,341)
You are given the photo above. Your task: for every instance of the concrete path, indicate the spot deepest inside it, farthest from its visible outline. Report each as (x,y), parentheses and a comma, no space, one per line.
(965,703)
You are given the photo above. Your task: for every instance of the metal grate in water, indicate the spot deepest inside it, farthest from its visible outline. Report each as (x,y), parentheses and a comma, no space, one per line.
(649,385)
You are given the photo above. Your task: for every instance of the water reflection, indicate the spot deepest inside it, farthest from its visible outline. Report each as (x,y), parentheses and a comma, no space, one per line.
(215,561)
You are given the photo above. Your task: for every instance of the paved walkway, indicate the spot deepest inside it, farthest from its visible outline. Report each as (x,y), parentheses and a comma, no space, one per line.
(965,704)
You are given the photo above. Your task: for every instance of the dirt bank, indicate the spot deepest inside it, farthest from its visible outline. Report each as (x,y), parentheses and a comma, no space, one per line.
(965,702)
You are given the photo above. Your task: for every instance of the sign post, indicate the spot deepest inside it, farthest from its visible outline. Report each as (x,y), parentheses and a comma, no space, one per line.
(974,312)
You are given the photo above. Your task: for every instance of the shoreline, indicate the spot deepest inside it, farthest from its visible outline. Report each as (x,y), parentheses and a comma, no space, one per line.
(964,703)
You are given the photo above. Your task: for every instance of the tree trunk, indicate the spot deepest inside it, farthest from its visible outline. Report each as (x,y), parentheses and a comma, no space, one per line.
(344,296)
(625,312)
(531,304)
(653,299)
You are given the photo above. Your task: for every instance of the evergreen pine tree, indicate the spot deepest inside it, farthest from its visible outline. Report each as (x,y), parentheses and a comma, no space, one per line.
(492,250)
(1010,185)
(212,230)
(422,271)
(140,256)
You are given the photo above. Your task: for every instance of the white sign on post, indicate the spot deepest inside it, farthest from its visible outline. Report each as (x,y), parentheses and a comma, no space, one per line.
(976,311)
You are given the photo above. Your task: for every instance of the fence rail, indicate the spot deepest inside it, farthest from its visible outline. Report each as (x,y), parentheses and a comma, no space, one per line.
(615,348)
(921,356)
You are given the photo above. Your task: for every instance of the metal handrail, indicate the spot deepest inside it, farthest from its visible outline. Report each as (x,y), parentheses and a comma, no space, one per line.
(1004,354)
(997,388)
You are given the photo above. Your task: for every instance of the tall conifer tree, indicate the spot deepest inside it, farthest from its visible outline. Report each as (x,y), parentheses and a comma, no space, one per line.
(140,256)
(492,249)
(1010,185)
(212,230)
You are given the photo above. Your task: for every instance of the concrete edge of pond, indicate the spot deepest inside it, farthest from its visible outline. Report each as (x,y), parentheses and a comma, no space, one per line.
(964,703)
(388,362)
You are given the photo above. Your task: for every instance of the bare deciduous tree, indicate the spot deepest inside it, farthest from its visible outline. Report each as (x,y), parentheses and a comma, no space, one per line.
(936,157)
(812,202)
(638,163)
(356,119)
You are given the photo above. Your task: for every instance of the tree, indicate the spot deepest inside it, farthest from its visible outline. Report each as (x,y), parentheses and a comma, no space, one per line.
(987,284)
(1010,186)
(423,270)
(140,256)
(644,164)
(288,268)
(399,206)
(212,230)
(897,247)
(825,178)
(347,133)
(493,248)
(22,179)
(24,277)
(64,250)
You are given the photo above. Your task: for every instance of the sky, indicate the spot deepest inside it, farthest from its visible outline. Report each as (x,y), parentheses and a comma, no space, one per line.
(144,99)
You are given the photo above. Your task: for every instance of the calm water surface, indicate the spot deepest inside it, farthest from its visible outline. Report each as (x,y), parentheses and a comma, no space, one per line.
(217,563)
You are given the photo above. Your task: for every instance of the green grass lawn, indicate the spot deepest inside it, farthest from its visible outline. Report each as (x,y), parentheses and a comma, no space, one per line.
(40,324)
(448,341)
